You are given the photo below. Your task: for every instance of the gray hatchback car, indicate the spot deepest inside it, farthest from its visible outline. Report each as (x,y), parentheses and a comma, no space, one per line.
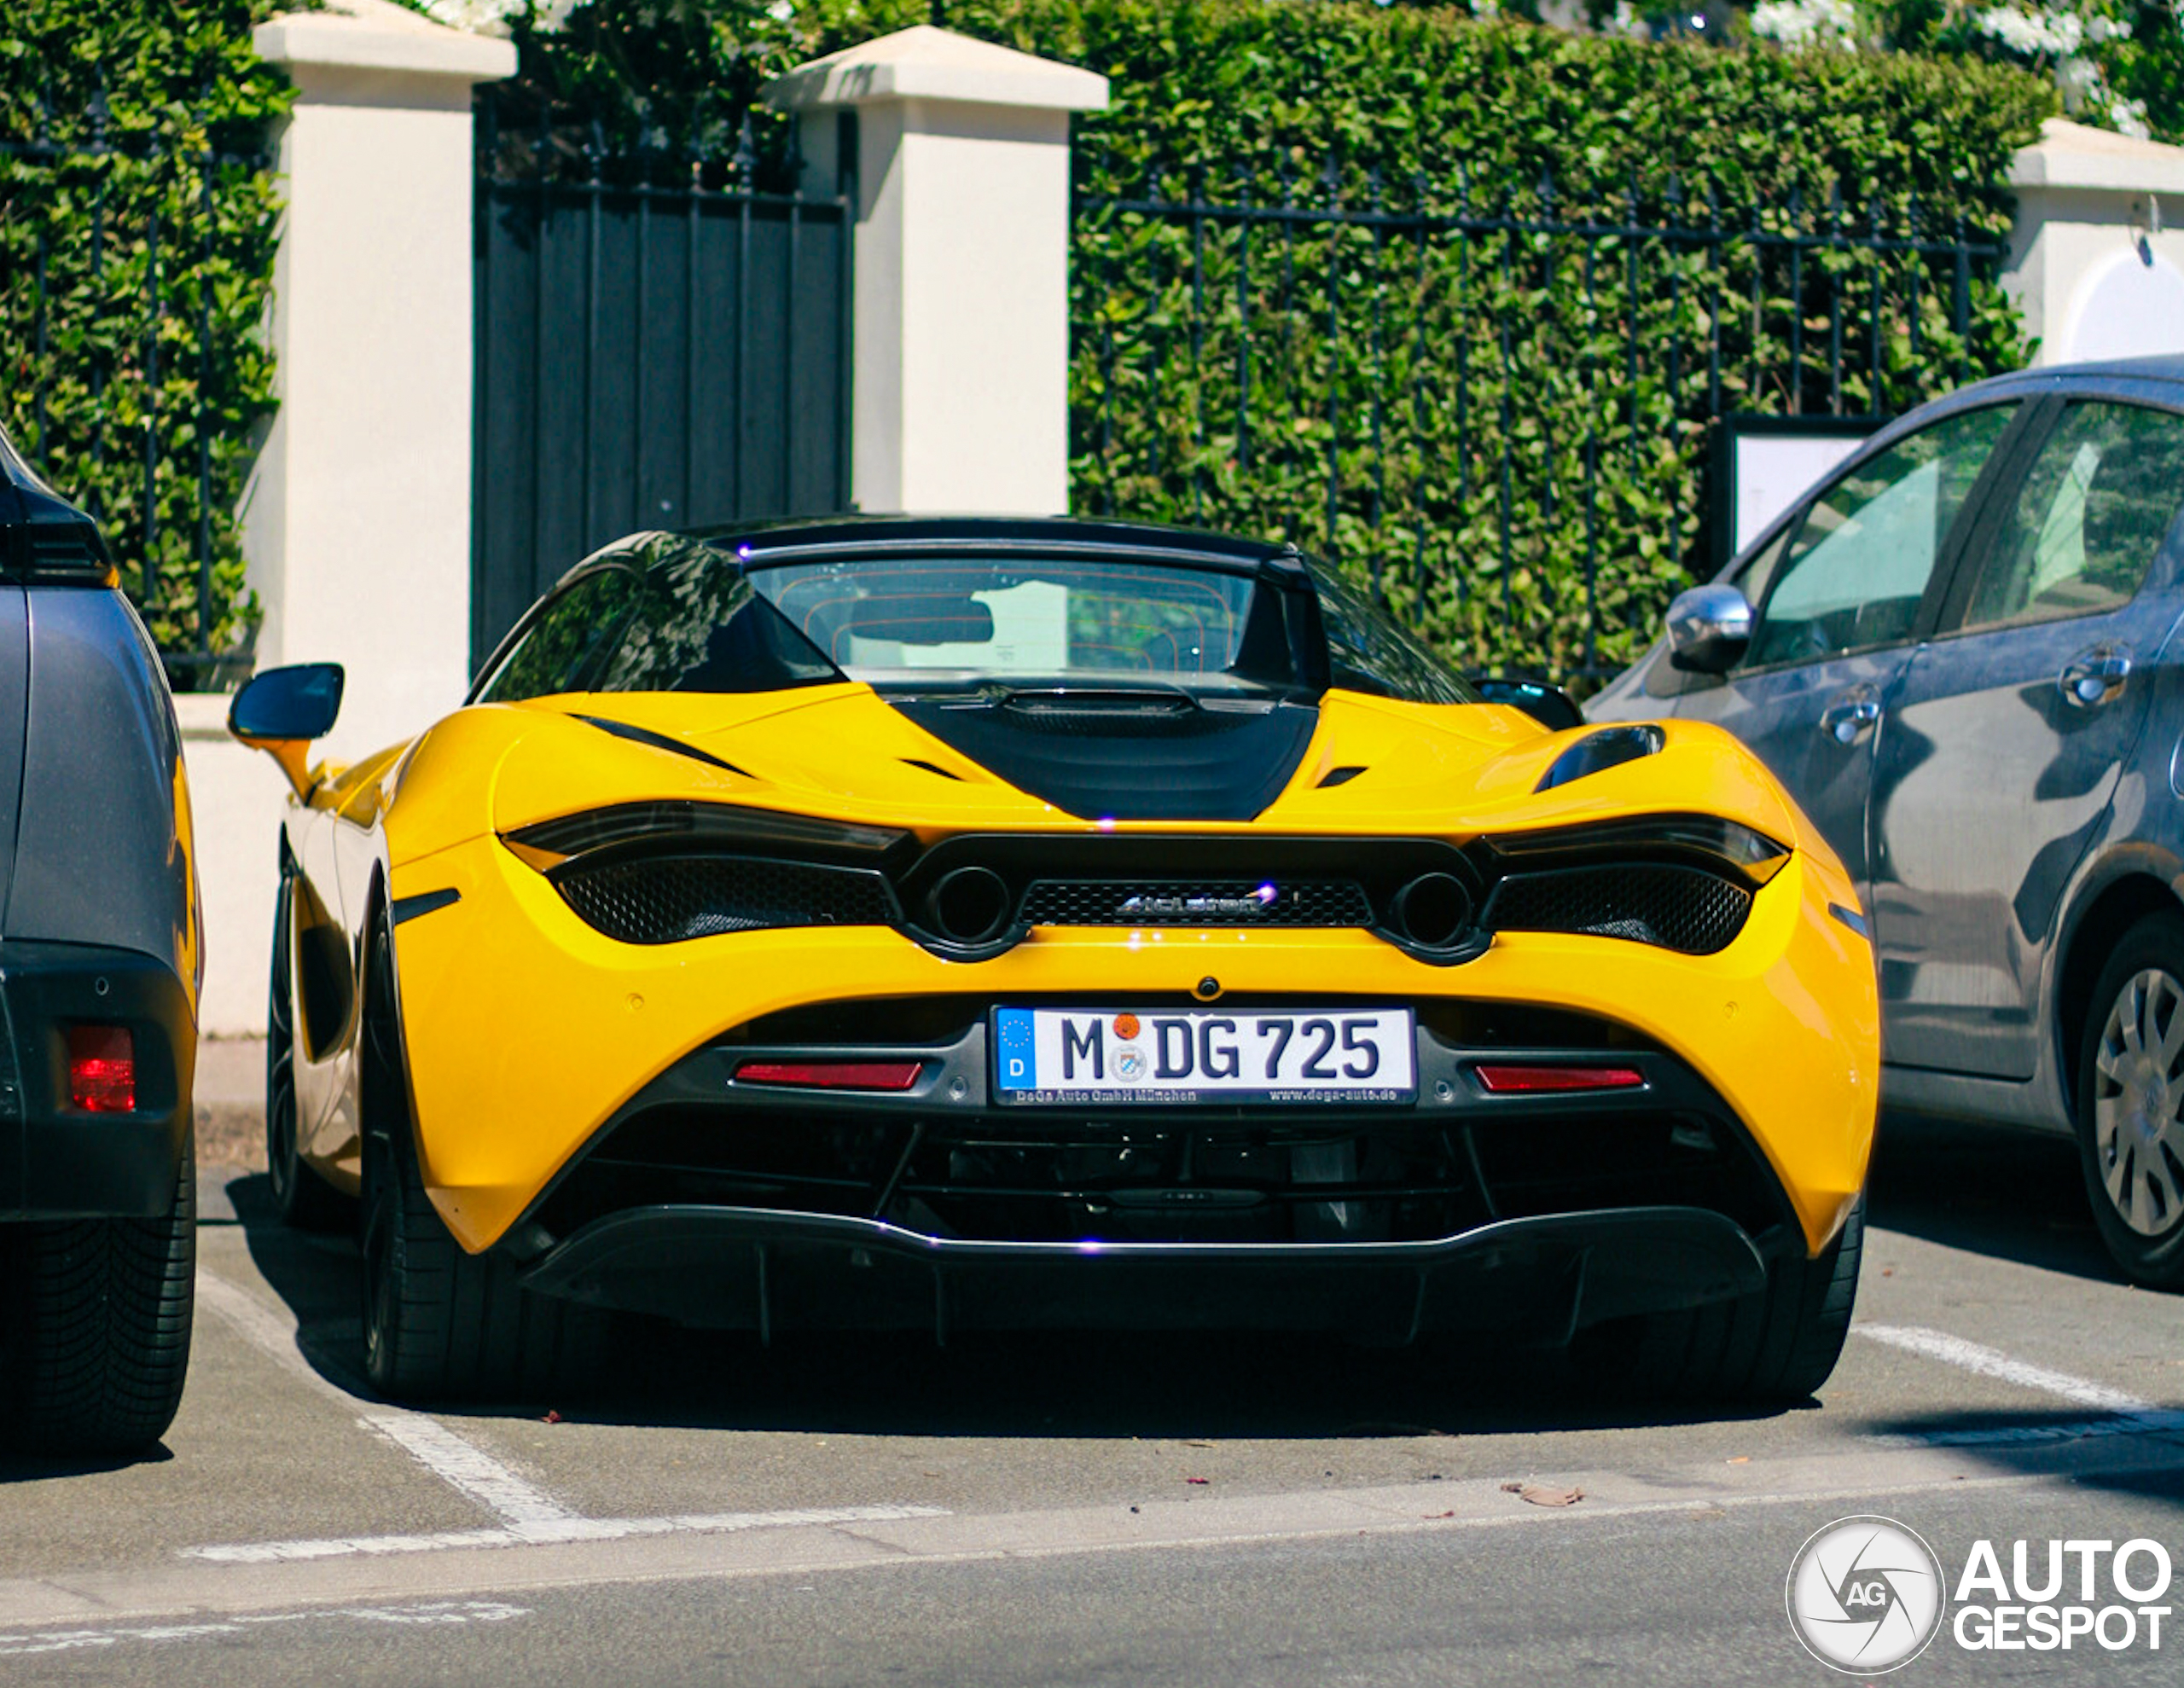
(99,949)
(1961,654)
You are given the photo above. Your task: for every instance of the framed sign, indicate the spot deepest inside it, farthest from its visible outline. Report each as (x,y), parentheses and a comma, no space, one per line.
(1762,465)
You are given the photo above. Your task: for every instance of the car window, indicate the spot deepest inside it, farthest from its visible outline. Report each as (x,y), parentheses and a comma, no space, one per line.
(1019,616)
(2093,510)
(1858,567)
(695,623)
(1368,652)
(1758,574)
(569,637)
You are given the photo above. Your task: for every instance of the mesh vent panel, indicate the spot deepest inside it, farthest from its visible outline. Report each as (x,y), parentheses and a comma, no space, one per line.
(1682,908)
(668,899)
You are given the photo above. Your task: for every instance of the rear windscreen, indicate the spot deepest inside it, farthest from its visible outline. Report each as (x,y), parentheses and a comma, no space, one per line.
(924,620)
(694,620)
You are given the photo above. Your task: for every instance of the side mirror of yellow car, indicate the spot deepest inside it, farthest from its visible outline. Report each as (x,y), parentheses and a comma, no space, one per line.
(1551,706)
(282,709)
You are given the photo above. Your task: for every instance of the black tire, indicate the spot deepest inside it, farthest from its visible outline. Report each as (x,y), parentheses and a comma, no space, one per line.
(94,1319)
(2135,1179)
(300,1197)
(441,1324)
(1777,1345)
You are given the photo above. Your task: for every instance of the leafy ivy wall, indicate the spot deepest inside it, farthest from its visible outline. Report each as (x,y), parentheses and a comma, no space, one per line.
(1497,406)
(143,381)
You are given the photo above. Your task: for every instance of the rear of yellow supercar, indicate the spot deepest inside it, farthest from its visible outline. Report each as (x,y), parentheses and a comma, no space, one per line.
(885,924)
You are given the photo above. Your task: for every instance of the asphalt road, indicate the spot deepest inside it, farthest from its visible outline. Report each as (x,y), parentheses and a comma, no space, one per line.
(1123,1511)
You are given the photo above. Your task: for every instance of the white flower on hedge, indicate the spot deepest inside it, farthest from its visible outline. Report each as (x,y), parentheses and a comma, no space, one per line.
(2054,35)
(2081,82)
(782,10)
(1797,24)
(493,17)
(2129,117)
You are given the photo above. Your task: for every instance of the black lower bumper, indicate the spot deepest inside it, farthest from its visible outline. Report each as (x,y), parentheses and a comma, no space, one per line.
(744,1268)
(57,1162)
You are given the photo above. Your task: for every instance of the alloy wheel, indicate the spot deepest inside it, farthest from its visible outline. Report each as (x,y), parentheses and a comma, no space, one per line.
(2137,1095)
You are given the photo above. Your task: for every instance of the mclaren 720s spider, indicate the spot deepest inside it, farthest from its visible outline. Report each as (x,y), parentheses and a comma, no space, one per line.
(885,922)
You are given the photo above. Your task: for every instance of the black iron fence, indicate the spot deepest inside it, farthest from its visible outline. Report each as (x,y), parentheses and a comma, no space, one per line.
(660,344)
(133,269)
(1494,406)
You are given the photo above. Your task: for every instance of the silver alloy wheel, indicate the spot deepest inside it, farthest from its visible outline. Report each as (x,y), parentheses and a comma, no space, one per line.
(2138,1138)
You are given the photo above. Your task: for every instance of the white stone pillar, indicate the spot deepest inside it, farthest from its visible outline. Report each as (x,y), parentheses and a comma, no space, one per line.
(357,521)
(358,530)
(2097,253)
(960,391)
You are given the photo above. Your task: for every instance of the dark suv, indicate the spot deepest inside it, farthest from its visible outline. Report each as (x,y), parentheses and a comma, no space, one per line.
(1960,654)
(100,945)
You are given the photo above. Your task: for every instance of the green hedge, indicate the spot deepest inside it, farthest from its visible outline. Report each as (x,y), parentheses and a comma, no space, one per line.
(1250,98)
(2149,67)
(1403,89)
(179,81)
(1467,425)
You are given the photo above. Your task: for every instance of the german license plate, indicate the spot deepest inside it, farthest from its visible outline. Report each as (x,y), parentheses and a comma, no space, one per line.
(1122,1055)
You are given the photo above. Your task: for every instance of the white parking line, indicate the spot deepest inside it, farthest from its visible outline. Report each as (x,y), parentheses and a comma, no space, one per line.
(561,1530)
(528,1516)
(435,1613)
(2122,1414)
(1990,1362)
(462,1465)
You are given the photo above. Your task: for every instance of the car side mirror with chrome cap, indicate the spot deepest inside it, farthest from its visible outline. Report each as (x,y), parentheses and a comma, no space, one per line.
(281,710)
(1709,628)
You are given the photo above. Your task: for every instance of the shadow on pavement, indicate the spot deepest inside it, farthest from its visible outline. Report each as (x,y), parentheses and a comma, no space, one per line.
(2088,1449)
(983,1384)
(1218,1385)
(2152,1485)
(25,1468)
(2007,1194)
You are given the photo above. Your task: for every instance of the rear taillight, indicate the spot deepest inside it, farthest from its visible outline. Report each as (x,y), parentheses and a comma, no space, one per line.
(832,1075)
(102,1070)
(1513,1079)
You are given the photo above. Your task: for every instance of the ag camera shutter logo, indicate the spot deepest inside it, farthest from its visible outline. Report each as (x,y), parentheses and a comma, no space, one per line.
(1865,1595)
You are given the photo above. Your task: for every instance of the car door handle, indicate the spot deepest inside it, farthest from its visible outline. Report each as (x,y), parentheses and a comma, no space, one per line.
(1845,722)
(2097,677)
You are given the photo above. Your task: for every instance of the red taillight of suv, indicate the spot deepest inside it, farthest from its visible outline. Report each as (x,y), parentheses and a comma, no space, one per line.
(102,1070)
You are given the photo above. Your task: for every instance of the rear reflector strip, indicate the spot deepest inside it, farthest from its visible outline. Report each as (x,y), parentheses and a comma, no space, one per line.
(102,1070)
(832,1075)
(1503,1080)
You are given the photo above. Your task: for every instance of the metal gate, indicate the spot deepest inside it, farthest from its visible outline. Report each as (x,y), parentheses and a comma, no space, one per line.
(1494,402)
(659,346)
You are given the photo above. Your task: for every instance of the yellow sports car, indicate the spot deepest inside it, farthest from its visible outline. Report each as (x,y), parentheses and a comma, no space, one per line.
(974,924)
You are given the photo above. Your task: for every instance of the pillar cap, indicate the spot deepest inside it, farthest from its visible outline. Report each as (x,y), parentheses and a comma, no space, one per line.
(2070,155)
(925,63)
(377,35)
